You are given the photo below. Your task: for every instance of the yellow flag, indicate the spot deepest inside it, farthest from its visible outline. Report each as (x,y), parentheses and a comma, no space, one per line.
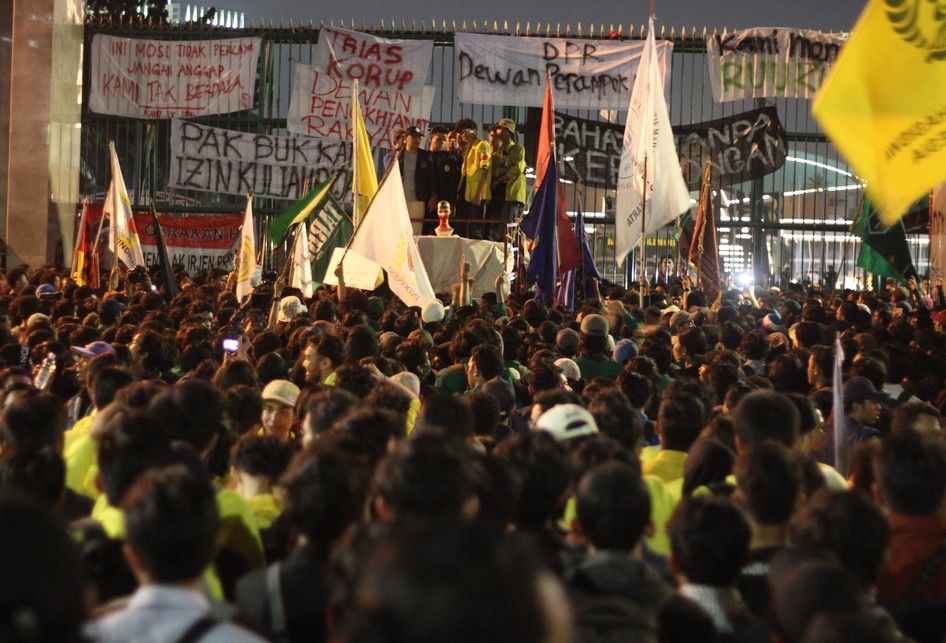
(884,103)
(365,179)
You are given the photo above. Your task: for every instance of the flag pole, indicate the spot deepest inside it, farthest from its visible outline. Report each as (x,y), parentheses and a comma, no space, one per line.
(643,277)
(355,215)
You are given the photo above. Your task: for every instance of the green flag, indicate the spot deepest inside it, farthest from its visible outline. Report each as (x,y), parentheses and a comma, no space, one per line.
(300,210)
(884,251)
(330,228)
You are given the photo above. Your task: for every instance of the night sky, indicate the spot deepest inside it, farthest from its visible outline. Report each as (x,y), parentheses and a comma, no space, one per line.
(826,15)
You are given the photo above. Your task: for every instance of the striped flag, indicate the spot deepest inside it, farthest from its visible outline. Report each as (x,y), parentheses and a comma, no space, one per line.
(85,257)
(301,209)
(704,249)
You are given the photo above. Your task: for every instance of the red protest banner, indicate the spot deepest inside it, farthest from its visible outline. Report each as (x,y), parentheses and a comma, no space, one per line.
(194,241)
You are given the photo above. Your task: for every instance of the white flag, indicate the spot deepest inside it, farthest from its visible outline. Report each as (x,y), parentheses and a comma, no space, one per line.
(122,233)
(301,276)
(387,237)
(648,138)
(246,266)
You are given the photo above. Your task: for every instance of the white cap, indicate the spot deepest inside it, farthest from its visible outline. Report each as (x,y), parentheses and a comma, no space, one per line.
(433,312)
(567,421)
(289,307)
(282,391)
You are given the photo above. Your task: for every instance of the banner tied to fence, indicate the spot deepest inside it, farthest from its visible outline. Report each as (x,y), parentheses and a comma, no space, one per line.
(195,242)
(392,78)
(770,62)
(211,159)
(372,61)
(172,78)
(511,70)
(741,147)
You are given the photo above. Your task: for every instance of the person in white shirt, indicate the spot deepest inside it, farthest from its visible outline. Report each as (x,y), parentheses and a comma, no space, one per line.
(172,521)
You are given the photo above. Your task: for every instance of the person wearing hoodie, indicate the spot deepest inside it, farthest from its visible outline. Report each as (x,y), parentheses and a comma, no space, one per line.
(616,595)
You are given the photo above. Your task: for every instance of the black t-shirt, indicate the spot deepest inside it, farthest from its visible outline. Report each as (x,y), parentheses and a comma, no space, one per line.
(754,579)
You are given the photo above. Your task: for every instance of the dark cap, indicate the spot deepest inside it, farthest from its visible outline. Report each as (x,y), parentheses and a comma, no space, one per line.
(413,131)
(858,389)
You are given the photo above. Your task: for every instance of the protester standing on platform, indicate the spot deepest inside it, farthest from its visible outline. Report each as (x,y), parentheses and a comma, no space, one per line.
(447,160)
(508,177)
(417,174)
(477,162)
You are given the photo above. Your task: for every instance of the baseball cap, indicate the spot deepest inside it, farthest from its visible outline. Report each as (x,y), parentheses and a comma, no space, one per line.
(289,307)
(858,389)
(46,290)
(93,349)
(433,312)
(595,322)
(413,130)
(772,323)
(110,306)
(624,350)
(569,368)
(507,124)
(566,421)
(567,340)
(282,391)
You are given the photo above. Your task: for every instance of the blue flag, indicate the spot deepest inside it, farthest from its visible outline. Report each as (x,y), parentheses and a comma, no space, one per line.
(566,294)
(541,223)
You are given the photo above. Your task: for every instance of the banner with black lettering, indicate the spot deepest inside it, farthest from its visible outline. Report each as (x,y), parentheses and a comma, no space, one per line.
(587,150)
(172,78)
(741,147)
(211,159)
(586,74)
(770,62)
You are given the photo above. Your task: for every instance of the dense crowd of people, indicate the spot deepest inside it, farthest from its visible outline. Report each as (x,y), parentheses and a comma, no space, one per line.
(344,468)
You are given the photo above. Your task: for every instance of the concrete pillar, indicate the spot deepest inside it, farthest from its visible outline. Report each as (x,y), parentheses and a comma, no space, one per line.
(41,82)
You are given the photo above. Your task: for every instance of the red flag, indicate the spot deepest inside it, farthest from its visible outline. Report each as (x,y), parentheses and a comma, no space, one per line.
(569,252)
(85,257)
(704,249)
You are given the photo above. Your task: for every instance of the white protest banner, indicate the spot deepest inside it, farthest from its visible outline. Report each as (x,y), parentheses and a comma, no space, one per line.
(211,159)
(172,78)
(194,241)
(770,62)
(400,65)
(320,105)
(588,74)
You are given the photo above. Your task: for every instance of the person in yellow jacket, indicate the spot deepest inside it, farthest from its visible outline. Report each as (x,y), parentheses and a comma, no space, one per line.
(475,172)
(258,463)
(80,447)
(508,178)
